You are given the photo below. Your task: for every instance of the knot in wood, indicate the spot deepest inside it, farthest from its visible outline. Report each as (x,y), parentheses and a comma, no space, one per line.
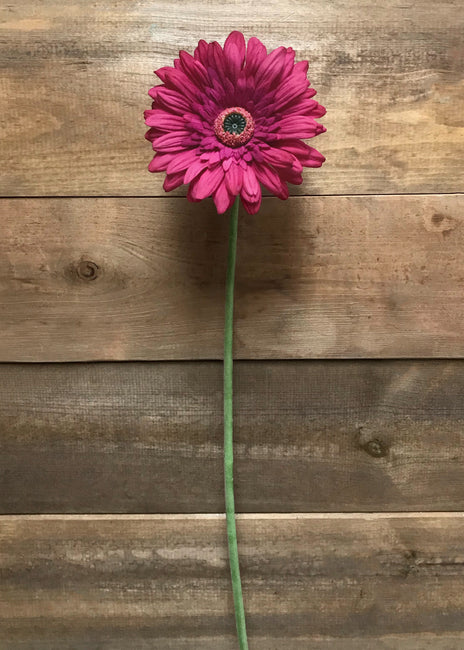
(375,448)
(87,270)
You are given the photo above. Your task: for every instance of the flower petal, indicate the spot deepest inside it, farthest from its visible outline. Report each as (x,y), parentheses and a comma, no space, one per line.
(250,188)
(223,200)
(256,53)
(308,156)
(269,70)
(162,72)
(172,181)
(163,120)
(182,160)
(291,176)
(251,207)
(201,51)
(189,195)
(281,159)
(152,133)
(270,179)
(295,126)
(205,184)
(177,80)
(170,99)
(216,60)
(160,162)
(234,177)
(174,141)
(195,168)
(193,68)
(304,107)
(234,52)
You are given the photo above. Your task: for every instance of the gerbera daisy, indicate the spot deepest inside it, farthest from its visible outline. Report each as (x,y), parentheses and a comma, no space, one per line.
(227,119)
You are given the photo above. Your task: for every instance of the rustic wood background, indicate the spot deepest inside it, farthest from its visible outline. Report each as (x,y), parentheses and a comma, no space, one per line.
(349,379)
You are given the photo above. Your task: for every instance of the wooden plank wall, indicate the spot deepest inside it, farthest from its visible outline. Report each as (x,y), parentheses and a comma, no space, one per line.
(349,344)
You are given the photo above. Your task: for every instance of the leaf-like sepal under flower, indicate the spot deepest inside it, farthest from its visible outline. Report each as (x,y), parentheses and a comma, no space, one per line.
(230,119)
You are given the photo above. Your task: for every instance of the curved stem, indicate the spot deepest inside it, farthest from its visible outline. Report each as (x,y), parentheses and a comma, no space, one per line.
(228,432)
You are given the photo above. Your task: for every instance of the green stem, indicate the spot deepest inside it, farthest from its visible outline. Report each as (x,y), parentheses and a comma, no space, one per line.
(228,432)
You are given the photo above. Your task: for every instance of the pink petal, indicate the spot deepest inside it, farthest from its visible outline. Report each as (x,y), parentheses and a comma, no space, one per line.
(234,177)
(223,200)
(308,156)
(217,60)
(160,162)
(164,121)
(162,72)
(305,107)
(313,159)
(256,53)
(178,80)
(302,66)
(182,160)
(234,52)
(271,179)
(227,162)
(320,111)
(295,94)
(295,126)
(213,158)
(289,62)
(205,184)
(152,133)
(250,188)
(251,207)
(281,159)
(189,195)
(209,143)
(201,51)
(291,176)
(169,99)
(195,168)
(294,146)
(196,124)
(271,67)
(193,68)
(296,83)
(172,181)
(174,141)
(302,106)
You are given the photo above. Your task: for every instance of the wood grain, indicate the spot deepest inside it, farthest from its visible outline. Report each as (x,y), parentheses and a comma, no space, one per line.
(320,277)
(83,582)
(430,641)
(309,436)
(75,81)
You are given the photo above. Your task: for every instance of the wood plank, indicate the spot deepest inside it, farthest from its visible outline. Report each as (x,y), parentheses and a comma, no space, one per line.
(75,84)
(309,436)
(385,642)
(325,277)
(84,581)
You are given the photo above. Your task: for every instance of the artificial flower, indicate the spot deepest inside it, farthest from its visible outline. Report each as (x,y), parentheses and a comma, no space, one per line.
(229,119)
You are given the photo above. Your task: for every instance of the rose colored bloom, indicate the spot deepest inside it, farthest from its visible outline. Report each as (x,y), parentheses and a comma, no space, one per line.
(227,119)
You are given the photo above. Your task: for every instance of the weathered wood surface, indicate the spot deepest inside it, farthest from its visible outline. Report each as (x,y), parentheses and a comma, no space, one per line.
(326,277)
(429,641)
(309,436)
(75,80)
(82,582)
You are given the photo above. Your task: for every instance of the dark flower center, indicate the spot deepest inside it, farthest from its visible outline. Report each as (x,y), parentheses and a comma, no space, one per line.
(234,123)
(234,126)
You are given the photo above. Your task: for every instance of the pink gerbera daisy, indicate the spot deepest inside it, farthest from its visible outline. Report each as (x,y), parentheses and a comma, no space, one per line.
(227,119)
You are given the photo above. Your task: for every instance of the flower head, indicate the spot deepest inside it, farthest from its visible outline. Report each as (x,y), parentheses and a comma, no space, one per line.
(229,118)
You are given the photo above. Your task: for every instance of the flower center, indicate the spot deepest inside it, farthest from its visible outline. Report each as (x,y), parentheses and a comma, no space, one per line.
(234,126)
